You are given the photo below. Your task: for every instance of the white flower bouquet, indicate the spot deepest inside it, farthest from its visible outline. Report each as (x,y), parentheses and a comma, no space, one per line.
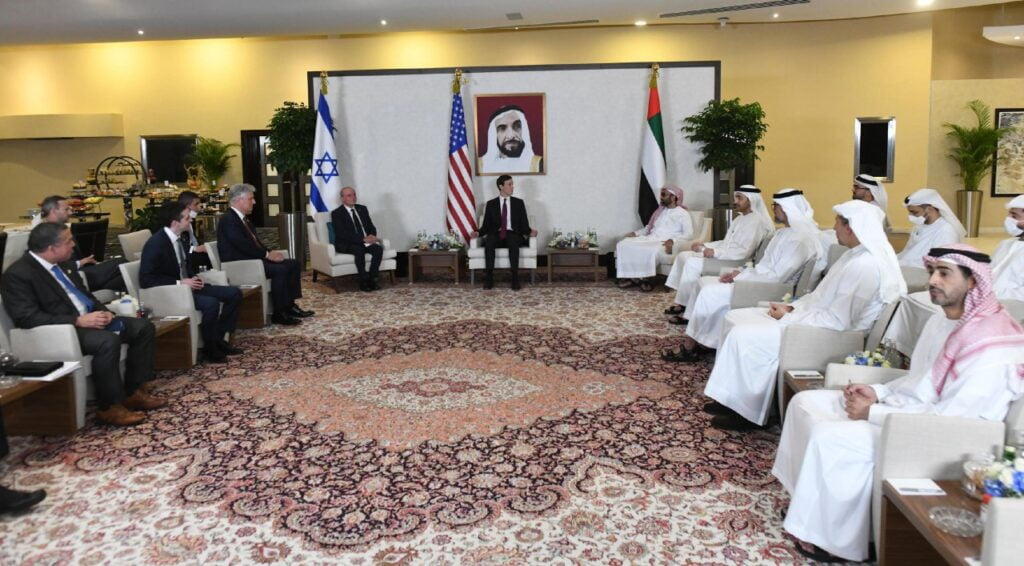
(438,241)
(575,239)
(868,358)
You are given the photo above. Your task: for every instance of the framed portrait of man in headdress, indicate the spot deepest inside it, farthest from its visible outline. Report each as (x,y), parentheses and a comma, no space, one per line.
(510,134)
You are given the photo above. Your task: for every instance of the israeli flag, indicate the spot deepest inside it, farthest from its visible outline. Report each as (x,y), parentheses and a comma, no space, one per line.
(325,192)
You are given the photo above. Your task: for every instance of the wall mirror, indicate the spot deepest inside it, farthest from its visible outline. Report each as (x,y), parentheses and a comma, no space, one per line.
(165,156)
(874,147)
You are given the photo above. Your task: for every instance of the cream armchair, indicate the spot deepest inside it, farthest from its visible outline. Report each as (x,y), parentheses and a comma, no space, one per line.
(527,258)
(241,272)
(1001,542)
(325,260)
(53,343)
(916,278)
(133,242)
(166,300)
(702,224)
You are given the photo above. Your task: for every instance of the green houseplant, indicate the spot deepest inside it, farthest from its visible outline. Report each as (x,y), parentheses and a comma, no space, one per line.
(214,156)
(973,149)
(729,133)
(292,135)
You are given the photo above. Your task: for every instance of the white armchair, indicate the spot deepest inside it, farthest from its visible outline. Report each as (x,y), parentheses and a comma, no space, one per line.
(53,343)
(702,224)
(166,300)
(916,278)
(1001,543)
(17,243)
(811,348)
(324,259)
(527,258)
(133,242)
(242,272)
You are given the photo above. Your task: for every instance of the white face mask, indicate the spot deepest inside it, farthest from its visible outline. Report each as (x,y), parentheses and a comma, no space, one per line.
(916,220)
(1010,224)
(192,214)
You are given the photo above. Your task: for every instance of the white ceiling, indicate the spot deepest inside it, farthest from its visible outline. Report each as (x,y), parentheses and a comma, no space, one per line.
(75,21)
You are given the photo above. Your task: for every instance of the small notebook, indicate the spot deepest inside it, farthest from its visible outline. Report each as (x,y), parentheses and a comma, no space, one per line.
(916,486)
(805,374)
(175,317)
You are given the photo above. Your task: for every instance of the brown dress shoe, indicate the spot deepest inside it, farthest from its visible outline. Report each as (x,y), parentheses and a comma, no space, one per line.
(142,401)
(117,415)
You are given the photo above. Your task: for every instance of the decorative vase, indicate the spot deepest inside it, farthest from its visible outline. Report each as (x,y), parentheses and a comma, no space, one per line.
(968,210)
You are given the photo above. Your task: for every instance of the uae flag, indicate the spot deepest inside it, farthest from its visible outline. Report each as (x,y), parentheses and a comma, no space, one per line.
(652,162)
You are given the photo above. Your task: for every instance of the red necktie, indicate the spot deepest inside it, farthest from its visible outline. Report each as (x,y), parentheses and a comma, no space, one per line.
(502,232)
(252,234)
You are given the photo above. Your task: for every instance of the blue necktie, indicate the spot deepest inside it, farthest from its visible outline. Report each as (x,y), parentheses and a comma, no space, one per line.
(86,301)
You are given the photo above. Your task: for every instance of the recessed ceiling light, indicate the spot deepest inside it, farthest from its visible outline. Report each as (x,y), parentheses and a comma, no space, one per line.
(924,2)
(383,22)
(142,32)
(775,15)
(1016,38)
(640,23)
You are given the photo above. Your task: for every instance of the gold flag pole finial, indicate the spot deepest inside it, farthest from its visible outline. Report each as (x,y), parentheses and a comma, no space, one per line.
(655,71)
(323,82)
(457,82)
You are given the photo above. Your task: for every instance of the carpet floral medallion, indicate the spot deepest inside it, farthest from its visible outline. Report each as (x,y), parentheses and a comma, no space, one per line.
(417,425)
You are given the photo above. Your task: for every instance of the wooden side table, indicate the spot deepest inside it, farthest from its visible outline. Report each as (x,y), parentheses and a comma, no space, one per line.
(793,385)
(250,312)
(573,260)
(908,535)
(44,408)
(173,348)
(448,260)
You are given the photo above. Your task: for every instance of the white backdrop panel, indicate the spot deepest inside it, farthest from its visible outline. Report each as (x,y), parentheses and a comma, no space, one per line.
(392,137)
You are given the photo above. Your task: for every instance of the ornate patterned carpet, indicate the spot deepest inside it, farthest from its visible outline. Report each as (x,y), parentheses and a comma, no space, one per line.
(418,425)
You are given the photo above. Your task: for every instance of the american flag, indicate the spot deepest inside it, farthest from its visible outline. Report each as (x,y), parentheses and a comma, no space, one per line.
(461,217)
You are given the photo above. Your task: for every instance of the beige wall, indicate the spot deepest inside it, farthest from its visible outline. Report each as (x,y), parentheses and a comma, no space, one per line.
(948,104)
(961,52)
(813,79)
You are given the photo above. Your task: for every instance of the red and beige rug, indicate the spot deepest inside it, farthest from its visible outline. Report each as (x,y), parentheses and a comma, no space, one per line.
(417,425)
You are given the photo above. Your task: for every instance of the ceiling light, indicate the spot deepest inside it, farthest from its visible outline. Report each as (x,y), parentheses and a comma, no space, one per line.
(924,2)
(775,15)
(383,22)
(142,32)
(640,23)
(1016,38)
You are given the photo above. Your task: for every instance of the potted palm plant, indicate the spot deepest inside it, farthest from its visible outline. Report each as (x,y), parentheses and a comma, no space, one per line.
(973,149)
(214,157)
(730,134)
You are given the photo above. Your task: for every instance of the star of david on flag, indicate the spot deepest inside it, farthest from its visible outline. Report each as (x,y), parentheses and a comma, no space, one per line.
(325,189)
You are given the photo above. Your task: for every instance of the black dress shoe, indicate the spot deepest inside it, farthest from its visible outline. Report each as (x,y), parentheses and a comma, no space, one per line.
(364,286)
(229,349)
(734,422)
(284,319)
(296,312)
(817,554)
(12,500)
(515,285)
(374,286)
(716,408)
(214,355)
(488,283)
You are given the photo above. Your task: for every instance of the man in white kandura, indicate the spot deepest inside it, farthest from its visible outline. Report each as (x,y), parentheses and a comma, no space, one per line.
(1007,283)
(792,246)
(745,233)
(935,225)
(968,363)
(870,189)
(850,297)
(636,255)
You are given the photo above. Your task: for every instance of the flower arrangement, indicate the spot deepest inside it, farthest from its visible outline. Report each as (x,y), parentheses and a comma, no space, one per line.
(438,241)
(575,239)
(1006,477)
(875,359)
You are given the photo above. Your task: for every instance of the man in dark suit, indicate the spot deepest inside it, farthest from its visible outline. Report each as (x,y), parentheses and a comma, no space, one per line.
(196,248)
(354,233)
(12,500)
(165,262)
(505,226)
(37,291)
(99,275)
(237,240)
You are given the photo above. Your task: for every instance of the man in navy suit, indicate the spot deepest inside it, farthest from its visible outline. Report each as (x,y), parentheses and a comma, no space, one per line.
(354,233)
(237,240)
(165,262)
(100,275)
(505,226)
(37,291)
(196,248)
